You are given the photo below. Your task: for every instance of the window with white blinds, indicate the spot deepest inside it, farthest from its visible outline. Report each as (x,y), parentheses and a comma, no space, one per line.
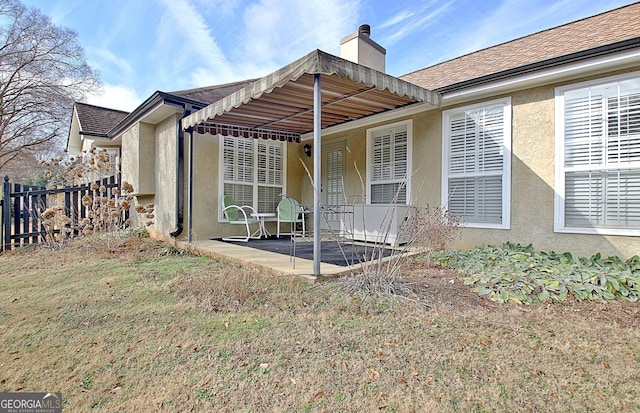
(389,160)
(334,188)
(598,163)
(252,172)
(476,163)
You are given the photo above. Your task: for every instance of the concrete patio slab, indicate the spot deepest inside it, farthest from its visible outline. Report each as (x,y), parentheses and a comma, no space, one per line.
(279,263)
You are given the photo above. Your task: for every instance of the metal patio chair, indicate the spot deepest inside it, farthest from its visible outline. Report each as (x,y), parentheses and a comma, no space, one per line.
(290,211)
(239,215)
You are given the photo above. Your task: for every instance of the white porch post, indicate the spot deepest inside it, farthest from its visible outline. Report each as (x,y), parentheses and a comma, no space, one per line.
(317,125)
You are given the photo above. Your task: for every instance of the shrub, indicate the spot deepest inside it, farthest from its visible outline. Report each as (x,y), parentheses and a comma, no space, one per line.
(429,230)
(106,211)
(432,229)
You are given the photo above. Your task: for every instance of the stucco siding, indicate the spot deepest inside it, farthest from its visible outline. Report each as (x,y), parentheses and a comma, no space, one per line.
(205,187)
(130,154)
(165,175)
(427,159)
(138,160)
(297,181)
(86,145)
(533,188)
(532,177)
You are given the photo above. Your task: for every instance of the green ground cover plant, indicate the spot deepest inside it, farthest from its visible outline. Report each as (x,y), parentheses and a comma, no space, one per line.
(517,273)
(139,325)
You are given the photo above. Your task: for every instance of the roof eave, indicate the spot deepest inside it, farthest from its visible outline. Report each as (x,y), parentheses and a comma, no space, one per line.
(150,104)
(74,121)
(544,64)
(562,74)
(93,135)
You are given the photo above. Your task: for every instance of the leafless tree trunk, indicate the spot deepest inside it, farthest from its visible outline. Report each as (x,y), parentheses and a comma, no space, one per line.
(42,72)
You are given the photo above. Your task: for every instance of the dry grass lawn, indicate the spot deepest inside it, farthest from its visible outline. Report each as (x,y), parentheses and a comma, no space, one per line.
(144,327)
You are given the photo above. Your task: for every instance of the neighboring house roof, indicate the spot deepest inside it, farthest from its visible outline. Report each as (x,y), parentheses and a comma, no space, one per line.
(608,28)
(90,121)
(96,120)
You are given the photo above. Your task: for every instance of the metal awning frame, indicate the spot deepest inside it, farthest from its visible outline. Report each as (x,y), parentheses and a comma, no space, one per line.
(315,92)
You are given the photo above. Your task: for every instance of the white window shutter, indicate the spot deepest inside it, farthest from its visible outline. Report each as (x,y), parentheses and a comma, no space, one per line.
(475,148)
(478,199)
(490,140)
(584,129)
(334,173)
(462,144)
(241,193)
(601,165)
(389,165)
(253,171)
(268,198)
(623,205)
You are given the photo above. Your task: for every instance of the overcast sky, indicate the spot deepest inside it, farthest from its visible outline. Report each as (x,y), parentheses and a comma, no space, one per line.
(140,46)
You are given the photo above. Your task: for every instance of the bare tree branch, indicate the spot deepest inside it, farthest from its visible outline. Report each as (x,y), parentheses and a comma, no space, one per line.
(42,72)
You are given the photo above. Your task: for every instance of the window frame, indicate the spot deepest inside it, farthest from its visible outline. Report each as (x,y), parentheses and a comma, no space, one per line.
(369,178)
(255,162)
(560,169)
(506,162)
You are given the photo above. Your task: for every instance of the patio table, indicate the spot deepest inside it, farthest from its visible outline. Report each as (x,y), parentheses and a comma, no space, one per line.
(262,231)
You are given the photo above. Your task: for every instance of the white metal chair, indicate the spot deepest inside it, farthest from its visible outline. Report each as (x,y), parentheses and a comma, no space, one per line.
(237,215)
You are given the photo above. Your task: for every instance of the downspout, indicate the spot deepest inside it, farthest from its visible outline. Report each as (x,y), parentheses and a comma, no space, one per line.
(180,173)
(190,189)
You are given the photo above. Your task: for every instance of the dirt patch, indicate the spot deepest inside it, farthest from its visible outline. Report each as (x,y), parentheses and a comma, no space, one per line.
(444,288)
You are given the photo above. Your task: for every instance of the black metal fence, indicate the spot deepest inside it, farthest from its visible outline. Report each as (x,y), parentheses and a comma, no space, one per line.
(21,209)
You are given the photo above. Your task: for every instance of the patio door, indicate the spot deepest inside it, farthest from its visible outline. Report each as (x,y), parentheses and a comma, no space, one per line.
(333,181)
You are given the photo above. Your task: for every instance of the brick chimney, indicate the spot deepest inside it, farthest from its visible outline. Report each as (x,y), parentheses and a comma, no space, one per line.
(359,48)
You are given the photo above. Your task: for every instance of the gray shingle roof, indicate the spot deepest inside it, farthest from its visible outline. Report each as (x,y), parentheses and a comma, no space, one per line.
(212,94)
(602,29)
(96,120)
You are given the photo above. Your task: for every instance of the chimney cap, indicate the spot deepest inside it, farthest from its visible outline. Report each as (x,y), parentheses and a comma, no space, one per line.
(364,29)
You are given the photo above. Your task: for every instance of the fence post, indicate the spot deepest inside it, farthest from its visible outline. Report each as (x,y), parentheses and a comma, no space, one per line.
(40,205)
(16,211)
(6,215)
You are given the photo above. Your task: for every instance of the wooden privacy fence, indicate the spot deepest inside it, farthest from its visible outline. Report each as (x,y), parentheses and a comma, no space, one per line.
(21,209)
